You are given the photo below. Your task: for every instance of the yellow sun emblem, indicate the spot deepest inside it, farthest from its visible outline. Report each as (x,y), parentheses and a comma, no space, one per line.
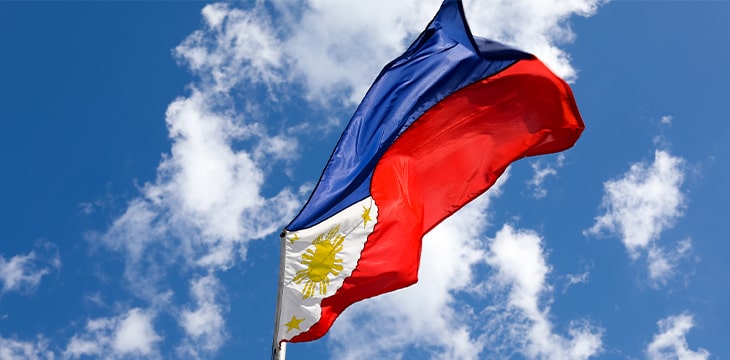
(321,261)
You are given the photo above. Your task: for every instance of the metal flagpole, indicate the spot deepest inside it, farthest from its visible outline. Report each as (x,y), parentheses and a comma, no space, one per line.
(278,351)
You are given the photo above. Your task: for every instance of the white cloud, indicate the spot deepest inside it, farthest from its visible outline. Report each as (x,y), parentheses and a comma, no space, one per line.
(207,200)
(23,273)
(236,46)
(667,119)
(640,205)
(662,262)
(538,27)
(206,203)
(205,326)
(643,203)
(13,349)
(204,207)
(135,334)
(541,172)
(213,188)
(671,342)
(337,48)
(519,321)
(128,334)
(574,279)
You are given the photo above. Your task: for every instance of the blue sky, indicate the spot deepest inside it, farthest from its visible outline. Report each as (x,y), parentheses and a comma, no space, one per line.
(153,151)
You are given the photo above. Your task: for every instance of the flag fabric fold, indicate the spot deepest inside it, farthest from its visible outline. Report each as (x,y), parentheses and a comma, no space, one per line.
(436,129)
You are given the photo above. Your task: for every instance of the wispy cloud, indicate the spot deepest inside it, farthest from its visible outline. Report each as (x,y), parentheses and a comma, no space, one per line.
(574,279)
(671,342)
(130,334)
(205,325)
(14,349)
(640,205)
(664,261)
(541,172)
(23,273)
(519,320)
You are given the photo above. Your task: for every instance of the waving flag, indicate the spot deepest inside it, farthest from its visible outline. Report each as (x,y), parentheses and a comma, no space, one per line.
(437,127)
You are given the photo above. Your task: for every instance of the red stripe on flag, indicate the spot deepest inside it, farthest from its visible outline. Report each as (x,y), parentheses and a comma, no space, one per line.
(448,157)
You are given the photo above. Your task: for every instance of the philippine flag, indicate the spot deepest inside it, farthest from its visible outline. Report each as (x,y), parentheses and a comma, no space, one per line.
(437,127)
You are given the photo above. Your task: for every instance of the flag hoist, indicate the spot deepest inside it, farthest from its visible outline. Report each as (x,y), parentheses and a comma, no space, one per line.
(435,130)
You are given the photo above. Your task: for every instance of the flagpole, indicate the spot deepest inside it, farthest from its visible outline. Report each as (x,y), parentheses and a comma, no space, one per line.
(278,350)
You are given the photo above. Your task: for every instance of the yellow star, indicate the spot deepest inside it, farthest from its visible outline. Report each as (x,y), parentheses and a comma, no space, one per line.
(293,324)
(366,216)
(293,238)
